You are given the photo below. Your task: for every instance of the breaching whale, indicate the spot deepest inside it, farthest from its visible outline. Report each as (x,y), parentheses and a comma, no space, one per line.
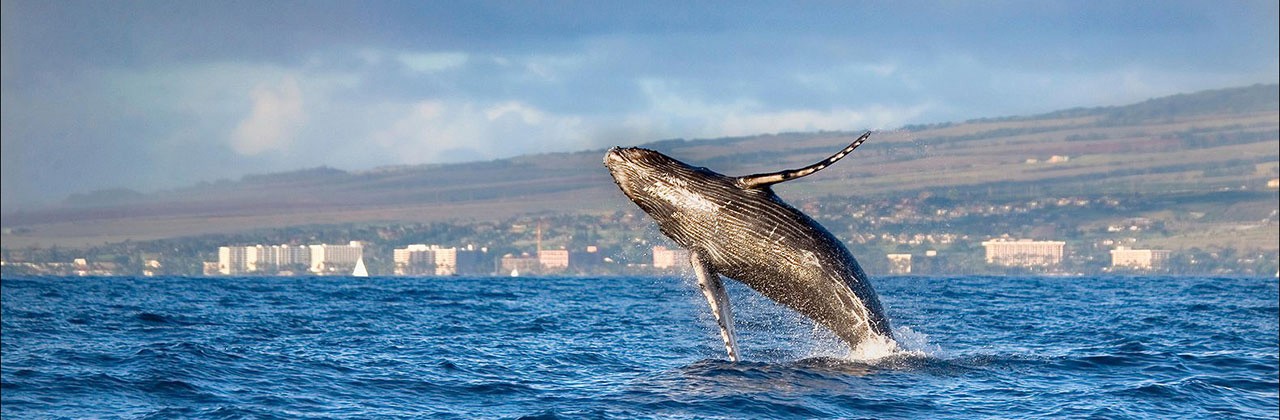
(737,227)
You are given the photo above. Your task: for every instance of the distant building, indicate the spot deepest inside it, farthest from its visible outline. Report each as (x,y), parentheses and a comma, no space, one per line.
(1058,159)
(472,260)
(1142,259)
(1273,183)
(930,263)
(331,259)
(237,260)
(554,259)
(151,268)
(1024,252)
(421,259)
(664,258)
(82,267)
(210,268)
(414,260)
(285,256)
(586,260)
(524,264)
(899,263)
(446,261)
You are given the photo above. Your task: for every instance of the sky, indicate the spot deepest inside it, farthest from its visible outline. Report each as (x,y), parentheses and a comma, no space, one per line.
(155,95)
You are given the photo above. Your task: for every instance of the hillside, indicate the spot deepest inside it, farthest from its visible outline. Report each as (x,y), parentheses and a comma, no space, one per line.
(1192,143)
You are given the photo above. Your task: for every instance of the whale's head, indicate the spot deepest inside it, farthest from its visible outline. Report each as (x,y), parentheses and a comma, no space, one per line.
(663,186)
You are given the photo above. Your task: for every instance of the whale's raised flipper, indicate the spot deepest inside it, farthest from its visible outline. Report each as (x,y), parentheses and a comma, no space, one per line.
(762,180)
(713,288)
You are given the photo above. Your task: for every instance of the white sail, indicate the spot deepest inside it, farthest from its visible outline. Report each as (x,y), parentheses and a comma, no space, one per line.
(515,273)
(360,271)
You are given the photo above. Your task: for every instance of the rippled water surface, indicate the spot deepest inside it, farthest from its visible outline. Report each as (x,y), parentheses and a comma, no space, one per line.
(631,347)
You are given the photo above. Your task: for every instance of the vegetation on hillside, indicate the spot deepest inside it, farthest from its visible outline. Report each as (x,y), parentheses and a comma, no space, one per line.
(1193,168)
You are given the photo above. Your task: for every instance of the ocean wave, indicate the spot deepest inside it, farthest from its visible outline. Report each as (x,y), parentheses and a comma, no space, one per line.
(631,347)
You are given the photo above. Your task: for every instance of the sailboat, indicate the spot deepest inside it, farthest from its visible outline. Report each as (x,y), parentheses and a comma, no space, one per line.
(515,272)
(360,271)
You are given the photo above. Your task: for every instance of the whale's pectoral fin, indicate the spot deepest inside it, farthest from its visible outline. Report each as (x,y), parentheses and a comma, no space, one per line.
(764,180)
(713,288)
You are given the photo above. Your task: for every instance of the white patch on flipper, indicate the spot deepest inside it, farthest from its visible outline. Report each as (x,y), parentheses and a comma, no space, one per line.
(719,302)
(713,289)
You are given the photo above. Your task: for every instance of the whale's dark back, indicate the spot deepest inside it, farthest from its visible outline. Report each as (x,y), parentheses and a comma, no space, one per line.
(749,234)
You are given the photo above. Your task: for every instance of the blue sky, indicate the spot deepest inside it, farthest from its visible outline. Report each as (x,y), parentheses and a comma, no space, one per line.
(160,94)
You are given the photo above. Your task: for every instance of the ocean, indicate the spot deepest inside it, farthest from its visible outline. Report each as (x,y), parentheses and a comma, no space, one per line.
(625,347)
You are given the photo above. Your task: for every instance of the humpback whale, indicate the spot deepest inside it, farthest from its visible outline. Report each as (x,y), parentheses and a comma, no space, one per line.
(739,228)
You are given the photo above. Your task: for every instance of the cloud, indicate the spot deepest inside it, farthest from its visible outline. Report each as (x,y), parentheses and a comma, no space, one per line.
(681,113)
(146,97)
(274,121)
(438,130)
(846,119)
(431,62)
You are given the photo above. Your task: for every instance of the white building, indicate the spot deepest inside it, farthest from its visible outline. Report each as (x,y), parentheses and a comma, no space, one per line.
(1024,252)
(151,268)
(553,259)
(286,255)
(327,258)
(899,263)
(664,258)
(236,260)
(416,259)
(1143,259)
(421,259)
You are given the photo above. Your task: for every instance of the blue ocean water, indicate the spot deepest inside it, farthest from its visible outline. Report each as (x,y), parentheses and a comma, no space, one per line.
(1113,347)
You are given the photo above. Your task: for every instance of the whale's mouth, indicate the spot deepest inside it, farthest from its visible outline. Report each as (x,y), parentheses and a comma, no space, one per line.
(614,156)
(631,156)
(619,166)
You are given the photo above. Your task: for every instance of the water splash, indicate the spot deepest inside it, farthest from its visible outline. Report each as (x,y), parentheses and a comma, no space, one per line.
(907,343)
(874,348)
(915,342)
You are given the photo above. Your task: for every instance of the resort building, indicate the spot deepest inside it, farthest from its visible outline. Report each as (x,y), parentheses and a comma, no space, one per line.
(421,259)
(664,258)
(284,256)
(237,260)
(327,258)
(1142,259)
(151,268)
(518,265)
(554,259)
(210,268)
(1024,252)
(414,260)
(899,263)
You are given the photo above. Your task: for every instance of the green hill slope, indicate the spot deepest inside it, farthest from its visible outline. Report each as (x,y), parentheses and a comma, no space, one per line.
(1199,142)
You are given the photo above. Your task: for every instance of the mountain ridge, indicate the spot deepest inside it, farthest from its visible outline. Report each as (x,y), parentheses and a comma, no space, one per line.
(1202,140)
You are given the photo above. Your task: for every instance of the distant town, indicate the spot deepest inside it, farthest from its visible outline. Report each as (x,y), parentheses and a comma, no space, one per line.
(922,235)
(436,260)
(421,260)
